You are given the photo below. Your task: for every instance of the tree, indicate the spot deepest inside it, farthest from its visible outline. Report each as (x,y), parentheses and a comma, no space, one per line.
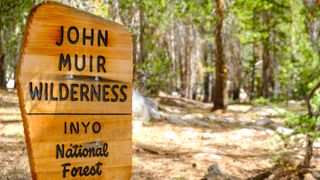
(267,74)
(220,93)
(2,64)
(313,114)
(12,21)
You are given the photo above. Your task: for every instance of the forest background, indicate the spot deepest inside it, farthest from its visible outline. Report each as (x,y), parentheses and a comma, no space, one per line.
(222,51)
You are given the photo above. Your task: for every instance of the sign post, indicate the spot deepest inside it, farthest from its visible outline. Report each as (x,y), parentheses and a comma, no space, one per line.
(74,82)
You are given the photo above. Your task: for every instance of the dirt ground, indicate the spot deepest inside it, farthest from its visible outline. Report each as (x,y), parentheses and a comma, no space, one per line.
(162,150)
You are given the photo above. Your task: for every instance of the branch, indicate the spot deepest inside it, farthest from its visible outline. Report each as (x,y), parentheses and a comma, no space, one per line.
(308,98)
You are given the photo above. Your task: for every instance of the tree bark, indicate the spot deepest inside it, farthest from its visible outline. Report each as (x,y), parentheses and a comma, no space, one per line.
(220,93)
(142,50)
(254,59)
(212,75)
(206,77)
(309,152)
(235,60)
(311,25)
(267,75)
(194,54)
(174,63)
(2,65)
(309,147)
(186,73)
(181,72)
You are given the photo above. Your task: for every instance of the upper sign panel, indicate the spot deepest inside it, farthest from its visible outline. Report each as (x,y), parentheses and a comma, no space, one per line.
(74,62)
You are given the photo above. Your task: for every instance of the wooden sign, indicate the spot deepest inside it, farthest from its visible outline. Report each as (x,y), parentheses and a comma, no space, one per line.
(74,82)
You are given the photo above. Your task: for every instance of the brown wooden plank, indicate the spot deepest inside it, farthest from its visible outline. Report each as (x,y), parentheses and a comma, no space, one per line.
(47,120)
(114,173)
(90,105)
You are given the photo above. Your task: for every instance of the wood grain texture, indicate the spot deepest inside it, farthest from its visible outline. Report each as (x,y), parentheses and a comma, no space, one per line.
(114,131)
(75,107)
(48,121)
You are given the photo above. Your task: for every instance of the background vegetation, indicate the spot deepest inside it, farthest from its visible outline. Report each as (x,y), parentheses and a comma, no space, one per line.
(212,51)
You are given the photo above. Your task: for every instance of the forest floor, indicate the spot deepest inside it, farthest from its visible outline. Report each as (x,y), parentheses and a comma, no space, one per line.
(241,141)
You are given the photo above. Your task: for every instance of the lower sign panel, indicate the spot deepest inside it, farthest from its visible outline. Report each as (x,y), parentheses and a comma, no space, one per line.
(74,146)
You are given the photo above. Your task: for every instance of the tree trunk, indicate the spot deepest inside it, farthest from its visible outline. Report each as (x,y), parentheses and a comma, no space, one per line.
(311,25)
(212,75)
(220,93)
(181,75)
(253,71)
(254,58)
(134,42)
(206,77)
(2,72)
(308,153)
(267,75)
(2,65)
(206,87)
(141,36)
(194,54)
(186,73)
(235,60)
(309,147)
(173,69)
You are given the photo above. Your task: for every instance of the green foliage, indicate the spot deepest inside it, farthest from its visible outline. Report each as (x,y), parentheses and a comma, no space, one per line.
(158,15)
(209,69)
(292,48)
(155,75)
(12,20)
(261,101)
(296,60)
(303,123)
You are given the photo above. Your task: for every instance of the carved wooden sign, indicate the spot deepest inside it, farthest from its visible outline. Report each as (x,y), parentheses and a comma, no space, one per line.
(74,82)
